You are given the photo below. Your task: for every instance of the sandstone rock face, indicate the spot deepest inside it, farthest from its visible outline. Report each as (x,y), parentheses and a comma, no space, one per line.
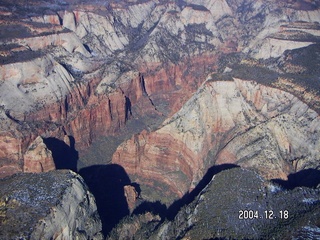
(291,36)
(216,8)
(85,70)
(86,24)
(238,122)
(78,71)
(66,106)
(38,157)
(53,19)
(43,81)
(131,195)
(10,150)
(275,47)
(52,205)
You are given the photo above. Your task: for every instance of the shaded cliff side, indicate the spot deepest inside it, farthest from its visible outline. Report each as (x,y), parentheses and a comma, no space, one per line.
(249,208)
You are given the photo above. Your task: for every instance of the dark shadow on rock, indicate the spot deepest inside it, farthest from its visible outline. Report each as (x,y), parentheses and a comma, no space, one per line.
(160,209)
(128,108)
(87,48)
(304,178)
(64,156)
(156,208)
(106,183)
(189,197)
(137,188)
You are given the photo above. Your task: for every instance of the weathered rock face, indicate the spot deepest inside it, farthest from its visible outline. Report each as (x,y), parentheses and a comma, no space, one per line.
(69,107)
(38,158)
(73,72)
(131,196)
(127,229)
(238,122)
(52,205)
(84,70)
(222,209)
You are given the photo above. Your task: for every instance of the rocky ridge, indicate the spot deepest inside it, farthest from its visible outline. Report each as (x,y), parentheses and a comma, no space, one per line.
(38,157)
(52,205)
(218,211)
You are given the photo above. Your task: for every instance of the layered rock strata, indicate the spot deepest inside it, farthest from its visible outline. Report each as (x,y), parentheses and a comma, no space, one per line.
(83,70)
(72,72)
(52,205)
(238,122)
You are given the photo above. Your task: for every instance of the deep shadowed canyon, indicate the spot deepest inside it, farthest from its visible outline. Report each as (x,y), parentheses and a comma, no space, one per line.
(173,117)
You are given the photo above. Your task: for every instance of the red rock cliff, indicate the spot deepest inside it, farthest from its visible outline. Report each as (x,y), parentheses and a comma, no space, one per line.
(238,122)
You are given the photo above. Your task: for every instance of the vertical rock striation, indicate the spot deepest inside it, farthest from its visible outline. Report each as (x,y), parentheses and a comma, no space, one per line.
(238,122)
(85,70)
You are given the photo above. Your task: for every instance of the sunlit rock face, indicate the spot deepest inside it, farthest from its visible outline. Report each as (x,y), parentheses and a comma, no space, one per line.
(165,89)
(52,205)
(87,69)
(38,157)
(238,122)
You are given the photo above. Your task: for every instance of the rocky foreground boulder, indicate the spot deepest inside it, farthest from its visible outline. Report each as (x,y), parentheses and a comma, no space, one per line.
(250,208)
(51,205)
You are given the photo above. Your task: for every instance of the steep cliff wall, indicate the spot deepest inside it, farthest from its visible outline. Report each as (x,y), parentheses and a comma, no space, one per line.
(52,205)
(67,108)
(239,122)
(84,70)
(73,72)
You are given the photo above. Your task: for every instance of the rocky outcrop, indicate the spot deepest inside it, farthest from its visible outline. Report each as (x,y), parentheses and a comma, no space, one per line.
(99,105)
(238,122)
(42,80)
(251,208)
(82,109)
(52,205)
(275,47)
(133,226)
(36,37)
(38,158)
(131,196)
(291,36)
(73,72)
(105,38)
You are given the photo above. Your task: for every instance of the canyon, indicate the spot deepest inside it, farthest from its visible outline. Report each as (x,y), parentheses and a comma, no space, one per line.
(143,98)
(245,124)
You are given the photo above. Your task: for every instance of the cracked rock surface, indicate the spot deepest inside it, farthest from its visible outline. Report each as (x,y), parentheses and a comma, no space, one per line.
(51,205)
(218,211)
